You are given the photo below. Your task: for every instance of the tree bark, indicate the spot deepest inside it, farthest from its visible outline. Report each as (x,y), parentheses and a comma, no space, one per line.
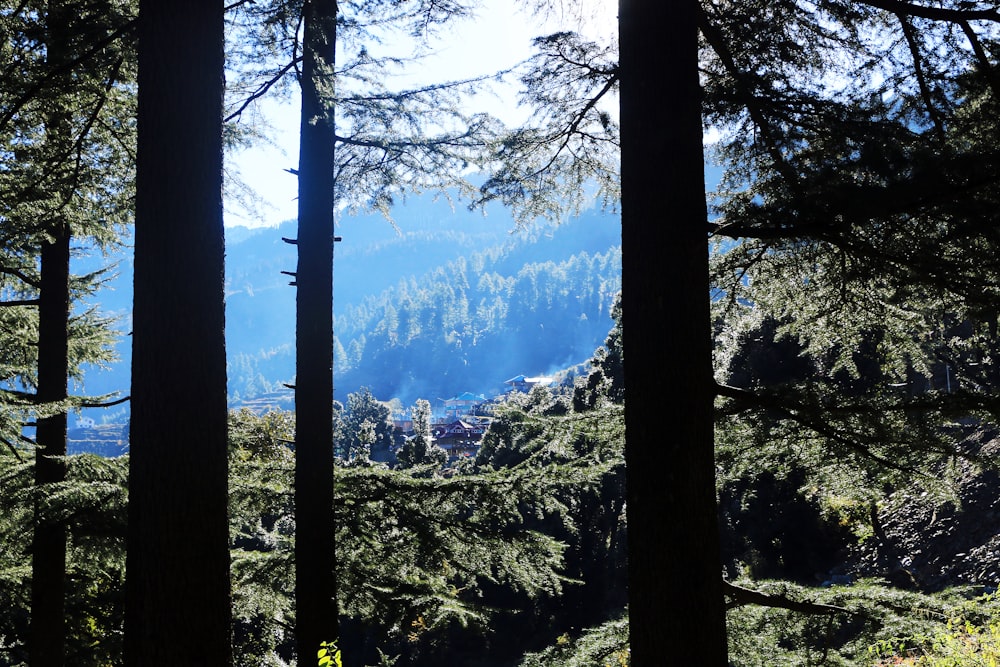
(676,604)
(315,571)
(177,609)
(47,644)
(47,635)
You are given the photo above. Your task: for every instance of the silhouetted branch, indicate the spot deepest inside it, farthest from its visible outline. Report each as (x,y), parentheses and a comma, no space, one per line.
(740,596)
(23,277)
(262,90)
(12,448)
(63,68)
(934,13)
(107,404)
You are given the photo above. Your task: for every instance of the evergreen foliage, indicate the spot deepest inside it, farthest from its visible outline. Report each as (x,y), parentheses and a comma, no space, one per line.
(79,176)
(855,322)
(419,449)
(391,138)
(91,503)
(855,249)
(365,429)
(472,314)
(66,136)
(426,564)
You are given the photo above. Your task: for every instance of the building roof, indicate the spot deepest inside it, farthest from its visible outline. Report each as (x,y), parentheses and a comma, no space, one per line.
(465,397)
(523,379)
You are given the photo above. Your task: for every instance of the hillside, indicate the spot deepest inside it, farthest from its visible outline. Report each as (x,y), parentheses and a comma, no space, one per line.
(433,307)
(491,301)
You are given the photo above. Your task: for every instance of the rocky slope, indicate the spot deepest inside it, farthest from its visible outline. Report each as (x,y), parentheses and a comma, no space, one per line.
(926,543)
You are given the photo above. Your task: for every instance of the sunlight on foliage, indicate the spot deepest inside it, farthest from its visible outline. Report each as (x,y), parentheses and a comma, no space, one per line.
(603,646)
(329,655)
(955,643)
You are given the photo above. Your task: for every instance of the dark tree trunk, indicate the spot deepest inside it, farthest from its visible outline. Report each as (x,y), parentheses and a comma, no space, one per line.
(48,548)
(47,637)
(676,606)
(177,609)
(315,578)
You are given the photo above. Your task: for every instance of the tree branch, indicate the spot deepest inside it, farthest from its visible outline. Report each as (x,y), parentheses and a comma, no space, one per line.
(717,41)
(261,90)
(64,68)
(107,404)
(741,596)
(797,414)
(23,277)
(918,69)
(934,13)
(12,448)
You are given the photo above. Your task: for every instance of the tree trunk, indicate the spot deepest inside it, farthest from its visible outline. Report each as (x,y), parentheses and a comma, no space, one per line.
(48,548)
(47,636)
(315,578)
(177,609)
(676,605)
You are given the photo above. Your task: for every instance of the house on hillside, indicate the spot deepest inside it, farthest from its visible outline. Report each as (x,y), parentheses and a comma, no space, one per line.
(524,384)
(85,423)
(460,437)
(462,404)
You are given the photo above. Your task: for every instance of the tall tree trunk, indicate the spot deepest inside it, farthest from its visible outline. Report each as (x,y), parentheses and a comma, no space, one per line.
(676,606)
(47,637)
(177,609)
(48,548)
(315,577)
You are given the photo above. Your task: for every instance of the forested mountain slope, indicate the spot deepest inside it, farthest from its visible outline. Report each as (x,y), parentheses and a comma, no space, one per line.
(437,301)
(447,302)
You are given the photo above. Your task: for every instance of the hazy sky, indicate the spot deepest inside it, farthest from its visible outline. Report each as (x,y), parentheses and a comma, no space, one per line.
(496,38)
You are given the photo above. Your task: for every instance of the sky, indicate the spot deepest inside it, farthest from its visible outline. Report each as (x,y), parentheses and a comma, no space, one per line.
(497,38)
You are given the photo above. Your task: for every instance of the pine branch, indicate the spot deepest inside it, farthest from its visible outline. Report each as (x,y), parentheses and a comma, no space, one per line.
(23,277)
(261,90)
(12,448)
(934,13)
(105,404)
(798,413)
(713,35)
(740,596)
(64,68)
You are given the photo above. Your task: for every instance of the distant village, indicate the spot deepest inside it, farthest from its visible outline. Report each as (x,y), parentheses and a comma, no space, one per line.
(457,423)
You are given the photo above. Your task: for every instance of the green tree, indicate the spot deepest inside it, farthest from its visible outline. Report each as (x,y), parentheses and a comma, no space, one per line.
(606,379)
(854,211)
(418,555)
(65,124)
(864,243)
(379,153)
(366,425)
(177,590)
(420,448)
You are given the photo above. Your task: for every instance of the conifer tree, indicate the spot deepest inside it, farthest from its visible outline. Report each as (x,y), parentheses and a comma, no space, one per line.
(864,237)
(381,152)
(420,448)
(65,124)
(48,587)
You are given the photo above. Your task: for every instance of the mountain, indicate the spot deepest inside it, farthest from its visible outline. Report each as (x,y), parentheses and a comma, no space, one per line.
(481,300)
